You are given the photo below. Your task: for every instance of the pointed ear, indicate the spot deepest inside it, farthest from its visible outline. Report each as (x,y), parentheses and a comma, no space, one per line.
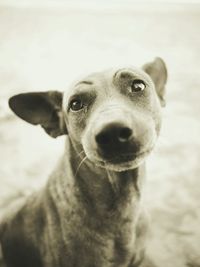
(44,108)
(158,72)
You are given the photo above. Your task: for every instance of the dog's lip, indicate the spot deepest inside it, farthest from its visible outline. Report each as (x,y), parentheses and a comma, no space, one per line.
(121,158)
(125,158)
(130,163)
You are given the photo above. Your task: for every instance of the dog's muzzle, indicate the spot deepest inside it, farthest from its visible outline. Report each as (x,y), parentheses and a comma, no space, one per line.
(115,142)
(118,139)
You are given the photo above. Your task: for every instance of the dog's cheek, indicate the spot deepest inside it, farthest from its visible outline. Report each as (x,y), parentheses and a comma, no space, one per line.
(157,117)
(76,124)
(88,141)
(154,111)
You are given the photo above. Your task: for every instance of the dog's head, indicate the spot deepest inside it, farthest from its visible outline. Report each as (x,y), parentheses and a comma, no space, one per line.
(113,116)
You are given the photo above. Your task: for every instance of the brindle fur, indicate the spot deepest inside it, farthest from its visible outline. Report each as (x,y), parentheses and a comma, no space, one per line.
(86,215)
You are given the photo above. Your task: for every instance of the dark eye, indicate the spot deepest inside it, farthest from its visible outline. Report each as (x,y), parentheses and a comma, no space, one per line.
(76,105)
(137,86)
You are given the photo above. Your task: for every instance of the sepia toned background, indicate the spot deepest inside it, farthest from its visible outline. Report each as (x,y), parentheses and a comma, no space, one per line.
(46,44)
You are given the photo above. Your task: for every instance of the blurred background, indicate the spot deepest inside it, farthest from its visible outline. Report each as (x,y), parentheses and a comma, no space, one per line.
(47,44)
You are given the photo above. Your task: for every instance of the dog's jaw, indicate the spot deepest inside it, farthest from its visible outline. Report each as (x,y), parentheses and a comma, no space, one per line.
(131,163)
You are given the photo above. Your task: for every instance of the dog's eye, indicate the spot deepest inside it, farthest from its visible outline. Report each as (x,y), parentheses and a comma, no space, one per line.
(76,105)
(137,85)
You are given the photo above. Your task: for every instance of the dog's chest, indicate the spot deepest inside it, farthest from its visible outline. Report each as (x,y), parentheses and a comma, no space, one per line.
(119,249)
(89,247)
(98,249)
(94,236)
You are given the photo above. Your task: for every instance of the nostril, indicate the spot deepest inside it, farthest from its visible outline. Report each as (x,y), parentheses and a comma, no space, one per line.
(124,134)
(102,138)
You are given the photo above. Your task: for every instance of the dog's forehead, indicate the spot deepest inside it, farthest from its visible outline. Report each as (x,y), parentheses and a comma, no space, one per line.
(104,78)
(109,75)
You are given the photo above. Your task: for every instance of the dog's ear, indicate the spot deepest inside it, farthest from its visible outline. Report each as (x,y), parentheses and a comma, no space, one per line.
(44,108)
(158,72)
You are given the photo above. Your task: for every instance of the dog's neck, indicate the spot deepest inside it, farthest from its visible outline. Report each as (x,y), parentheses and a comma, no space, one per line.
(104,191)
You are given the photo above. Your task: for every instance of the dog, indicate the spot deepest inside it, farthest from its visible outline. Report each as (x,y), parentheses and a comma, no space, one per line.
(89,214)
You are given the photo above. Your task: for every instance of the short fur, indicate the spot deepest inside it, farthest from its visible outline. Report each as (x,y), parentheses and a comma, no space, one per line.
(89,214)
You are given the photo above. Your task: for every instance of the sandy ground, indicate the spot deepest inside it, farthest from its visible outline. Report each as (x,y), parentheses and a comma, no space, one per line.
(46,48)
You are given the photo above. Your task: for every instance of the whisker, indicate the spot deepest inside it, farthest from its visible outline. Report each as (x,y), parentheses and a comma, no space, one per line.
(111,181)
(82,161)
(79,154)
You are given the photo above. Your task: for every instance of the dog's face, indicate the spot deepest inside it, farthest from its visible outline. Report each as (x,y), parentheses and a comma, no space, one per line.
(113,116)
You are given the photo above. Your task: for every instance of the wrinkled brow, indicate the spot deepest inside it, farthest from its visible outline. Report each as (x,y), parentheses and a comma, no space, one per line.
(83,91)
(84,82)
(124,72)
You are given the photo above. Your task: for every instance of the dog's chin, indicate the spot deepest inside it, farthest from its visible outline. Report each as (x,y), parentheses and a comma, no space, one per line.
(120,167)
(119,164)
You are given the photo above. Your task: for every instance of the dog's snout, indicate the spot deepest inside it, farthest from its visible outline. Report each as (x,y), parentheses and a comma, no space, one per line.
(114,133)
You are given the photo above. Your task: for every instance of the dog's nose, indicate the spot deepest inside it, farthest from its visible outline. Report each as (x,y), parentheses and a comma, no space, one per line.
(114,133)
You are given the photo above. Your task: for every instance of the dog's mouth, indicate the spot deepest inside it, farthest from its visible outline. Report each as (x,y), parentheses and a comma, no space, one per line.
(121,162)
